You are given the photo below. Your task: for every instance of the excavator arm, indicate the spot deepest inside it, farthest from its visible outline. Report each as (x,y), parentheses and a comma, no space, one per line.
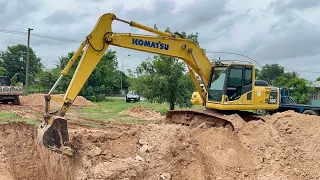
(53,131)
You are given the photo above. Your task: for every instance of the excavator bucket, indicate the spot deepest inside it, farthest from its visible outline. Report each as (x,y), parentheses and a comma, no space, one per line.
(55,137)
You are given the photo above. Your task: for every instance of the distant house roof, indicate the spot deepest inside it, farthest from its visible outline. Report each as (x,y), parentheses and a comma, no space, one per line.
(316,84)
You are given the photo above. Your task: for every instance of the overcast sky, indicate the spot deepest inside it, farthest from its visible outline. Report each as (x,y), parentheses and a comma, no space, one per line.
(278,31)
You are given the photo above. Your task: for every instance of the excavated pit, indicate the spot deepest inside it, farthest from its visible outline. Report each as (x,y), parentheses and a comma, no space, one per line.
(286,146)
(23,158)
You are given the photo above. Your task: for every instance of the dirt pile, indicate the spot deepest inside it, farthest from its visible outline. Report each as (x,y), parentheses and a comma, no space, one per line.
(286,146)
(38,100)
(142,112)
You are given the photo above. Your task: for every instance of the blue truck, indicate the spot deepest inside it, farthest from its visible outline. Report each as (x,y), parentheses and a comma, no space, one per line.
(288,103)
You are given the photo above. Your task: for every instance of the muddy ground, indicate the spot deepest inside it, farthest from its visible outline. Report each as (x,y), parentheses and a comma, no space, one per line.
(286,146)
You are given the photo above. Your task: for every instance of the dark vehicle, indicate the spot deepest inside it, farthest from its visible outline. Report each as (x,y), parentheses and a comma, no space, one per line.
(9,93)
(287,103)
(132,96)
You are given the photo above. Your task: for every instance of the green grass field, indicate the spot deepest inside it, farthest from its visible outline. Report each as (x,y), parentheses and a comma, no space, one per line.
(111,109)
(6,117)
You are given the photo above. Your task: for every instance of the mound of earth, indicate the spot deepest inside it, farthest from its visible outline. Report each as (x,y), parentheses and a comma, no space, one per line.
(142,112)
(37,99)
(286,146)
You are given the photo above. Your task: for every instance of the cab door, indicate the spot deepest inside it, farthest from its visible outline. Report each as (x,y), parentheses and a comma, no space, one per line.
(239,85)
(247,85)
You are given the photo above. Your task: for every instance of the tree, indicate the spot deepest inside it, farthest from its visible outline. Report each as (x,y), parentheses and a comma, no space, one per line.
(258,73)
(318,79)
(48,78)
(3,71)
(103,81)
(14,61)
(163,78)
(300,88)
(270,71)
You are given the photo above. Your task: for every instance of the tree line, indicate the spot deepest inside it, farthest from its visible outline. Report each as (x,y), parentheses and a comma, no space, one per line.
(104,80)
(160,79)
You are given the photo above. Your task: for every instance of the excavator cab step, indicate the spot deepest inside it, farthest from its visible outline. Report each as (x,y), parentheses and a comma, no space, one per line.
(54,136)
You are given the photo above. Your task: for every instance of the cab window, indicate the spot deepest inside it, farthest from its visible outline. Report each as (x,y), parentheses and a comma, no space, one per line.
(235,78)
(248,76)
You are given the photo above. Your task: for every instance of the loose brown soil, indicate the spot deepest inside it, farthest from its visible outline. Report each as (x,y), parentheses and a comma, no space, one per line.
(38,100)
(143,112)
(286,146)
(23,158)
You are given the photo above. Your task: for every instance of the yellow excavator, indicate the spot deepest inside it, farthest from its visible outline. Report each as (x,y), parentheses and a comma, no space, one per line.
(228,88)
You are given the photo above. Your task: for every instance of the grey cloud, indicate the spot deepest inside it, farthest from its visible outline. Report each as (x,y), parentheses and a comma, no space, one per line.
(16,10)
(281,7)
(64,17)
(290,39)
(298,39)
(302,4)
(305,66)
(190,17)
(89,0)
(3,6)
(221,27)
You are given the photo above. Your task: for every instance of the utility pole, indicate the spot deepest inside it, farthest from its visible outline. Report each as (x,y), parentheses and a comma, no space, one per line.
(27,64)
(122,70)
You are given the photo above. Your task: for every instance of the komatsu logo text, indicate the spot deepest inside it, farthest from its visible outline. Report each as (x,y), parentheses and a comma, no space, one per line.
(157,45)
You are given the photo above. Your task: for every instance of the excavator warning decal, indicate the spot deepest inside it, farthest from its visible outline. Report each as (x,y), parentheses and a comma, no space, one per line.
(157,45)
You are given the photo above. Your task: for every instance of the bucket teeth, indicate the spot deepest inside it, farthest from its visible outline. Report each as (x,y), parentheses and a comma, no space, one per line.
(54,136)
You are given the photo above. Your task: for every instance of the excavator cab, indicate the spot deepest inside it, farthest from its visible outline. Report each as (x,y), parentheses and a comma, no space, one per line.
(229,83)
(232,87)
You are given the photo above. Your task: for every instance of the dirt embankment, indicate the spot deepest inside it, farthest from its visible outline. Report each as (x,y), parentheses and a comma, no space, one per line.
(38,100)
(22,158)
(143,112)
(286,146)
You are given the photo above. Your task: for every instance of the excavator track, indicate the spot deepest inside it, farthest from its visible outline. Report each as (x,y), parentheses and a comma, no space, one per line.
(211,118)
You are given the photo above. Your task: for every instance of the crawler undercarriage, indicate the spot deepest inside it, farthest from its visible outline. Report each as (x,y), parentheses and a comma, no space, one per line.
(211,118)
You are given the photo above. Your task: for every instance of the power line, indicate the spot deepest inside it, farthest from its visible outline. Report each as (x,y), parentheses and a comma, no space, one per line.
(37,34)
(20,31)
(65,39)
(239,55)
(261,66)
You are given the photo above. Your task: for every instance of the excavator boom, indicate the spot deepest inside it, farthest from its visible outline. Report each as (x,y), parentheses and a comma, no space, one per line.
(53,132)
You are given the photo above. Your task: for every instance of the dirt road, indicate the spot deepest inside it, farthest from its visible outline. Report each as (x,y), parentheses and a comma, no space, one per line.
(286,146)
